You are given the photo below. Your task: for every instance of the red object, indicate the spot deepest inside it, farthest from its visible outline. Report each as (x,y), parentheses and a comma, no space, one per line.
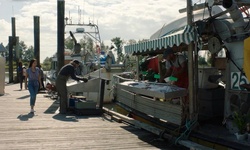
(182,78)
(50,87)
(153,64)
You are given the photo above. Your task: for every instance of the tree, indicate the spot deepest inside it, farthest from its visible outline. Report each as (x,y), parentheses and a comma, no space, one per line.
(28,54)
(68,44)
(143,40)
(104,48)
(47,63)
(202,61)
(90,44)
(22,48)
(83,44)
(118,43)
(131,41)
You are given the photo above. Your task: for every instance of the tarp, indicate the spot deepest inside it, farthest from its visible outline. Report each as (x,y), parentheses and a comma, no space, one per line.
(176,37)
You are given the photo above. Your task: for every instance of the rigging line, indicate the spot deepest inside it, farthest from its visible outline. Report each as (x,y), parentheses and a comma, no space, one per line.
(228,55)
(204,11)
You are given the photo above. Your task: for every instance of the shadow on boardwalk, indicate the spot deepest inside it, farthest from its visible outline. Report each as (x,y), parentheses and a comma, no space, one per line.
(46,129)
(25,117)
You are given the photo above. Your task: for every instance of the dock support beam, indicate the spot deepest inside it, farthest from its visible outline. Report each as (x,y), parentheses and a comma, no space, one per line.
(12,43)
(10,59)
(60,34)
(37,39)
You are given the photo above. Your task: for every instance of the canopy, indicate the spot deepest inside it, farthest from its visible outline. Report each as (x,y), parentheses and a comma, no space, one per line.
(176,37)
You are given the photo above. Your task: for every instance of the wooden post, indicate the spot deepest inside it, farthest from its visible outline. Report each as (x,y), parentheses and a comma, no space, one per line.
(137,68)
(10,59)
(13,23)
(60,34)
(101,93)
(17,48)
(37,39)
(12,42)
(190,63)
(17,57)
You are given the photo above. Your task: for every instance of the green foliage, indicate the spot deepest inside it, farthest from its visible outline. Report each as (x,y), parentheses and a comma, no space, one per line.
(28,54)
(119,44)
(69,44)
(104,48)
(90,44)
(202,61)
(131,41)
(47,64)
(240,121)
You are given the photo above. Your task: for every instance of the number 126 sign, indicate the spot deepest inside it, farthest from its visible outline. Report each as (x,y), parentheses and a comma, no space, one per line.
(237,79)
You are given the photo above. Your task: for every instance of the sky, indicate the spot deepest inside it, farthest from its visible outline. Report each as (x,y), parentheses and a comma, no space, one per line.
(127,19)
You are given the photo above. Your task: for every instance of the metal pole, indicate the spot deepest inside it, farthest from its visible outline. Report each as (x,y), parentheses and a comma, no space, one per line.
(60,34)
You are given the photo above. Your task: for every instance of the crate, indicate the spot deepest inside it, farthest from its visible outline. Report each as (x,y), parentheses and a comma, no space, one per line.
(88,104)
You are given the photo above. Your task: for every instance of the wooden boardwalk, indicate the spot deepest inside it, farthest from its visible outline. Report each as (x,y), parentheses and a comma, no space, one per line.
(47,129)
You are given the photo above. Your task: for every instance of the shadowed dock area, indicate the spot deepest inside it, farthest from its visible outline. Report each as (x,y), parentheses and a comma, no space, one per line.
(46,129)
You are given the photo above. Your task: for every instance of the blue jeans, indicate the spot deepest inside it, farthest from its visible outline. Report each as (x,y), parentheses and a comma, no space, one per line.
(33,89)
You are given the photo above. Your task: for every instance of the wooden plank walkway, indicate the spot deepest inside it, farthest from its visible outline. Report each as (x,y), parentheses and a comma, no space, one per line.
(47,129)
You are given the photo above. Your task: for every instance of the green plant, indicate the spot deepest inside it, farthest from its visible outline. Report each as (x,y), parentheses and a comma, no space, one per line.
(240,121)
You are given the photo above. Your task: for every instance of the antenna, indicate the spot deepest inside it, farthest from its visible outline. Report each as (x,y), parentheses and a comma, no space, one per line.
(83,11)
(79,15)
(12,11)
(93,14)
(70,19)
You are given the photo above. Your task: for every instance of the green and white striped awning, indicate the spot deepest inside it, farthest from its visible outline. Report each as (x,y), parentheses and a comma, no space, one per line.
(176,37)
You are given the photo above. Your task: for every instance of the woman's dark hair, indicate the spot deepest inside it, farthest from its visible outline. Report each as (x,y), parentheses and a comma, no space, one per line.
(31,62)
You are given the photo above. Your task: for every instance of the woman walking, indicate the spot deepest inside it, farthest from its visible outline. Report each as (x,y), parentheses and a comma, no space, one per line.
(34,80)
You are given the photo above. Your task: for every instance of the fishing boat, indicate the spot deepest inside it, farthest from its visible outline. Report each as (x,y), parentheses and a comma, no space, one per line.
(86,54)
(96,64)
(218,95)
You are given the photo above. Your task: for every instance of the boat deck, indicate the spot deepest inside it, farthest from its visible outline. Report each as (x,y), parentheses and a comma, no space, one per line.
(214,131)
(46,129)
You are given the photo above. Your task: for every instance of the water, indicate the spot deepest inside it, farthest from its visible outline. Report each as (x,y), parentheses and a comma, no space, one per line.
(7,76)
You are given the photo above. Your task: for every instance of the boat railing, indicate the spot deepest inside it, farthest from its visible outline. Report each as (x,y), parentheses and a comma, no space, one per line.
(117,78)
